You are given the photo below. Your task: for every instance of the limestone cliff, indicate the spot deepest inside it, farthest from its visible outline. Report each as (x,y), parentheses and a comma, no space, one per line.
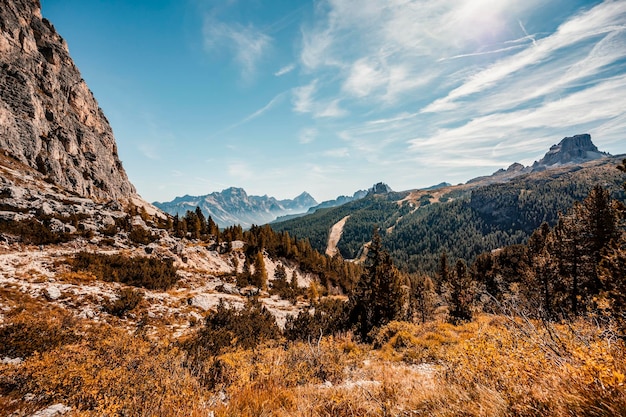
(49,118)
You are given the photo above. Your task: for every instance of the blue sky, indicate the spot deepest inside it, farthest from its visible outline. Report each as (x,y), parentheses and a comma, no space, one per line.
(331,96)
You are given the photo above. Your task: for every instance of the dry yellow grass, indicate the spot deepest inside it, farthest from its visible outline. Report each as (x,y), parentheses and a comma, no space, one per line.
(494,366)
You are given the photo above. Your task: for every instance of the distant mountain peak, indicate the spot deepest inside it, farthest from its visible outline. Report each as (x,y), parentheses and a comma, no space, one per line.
(234,206)
(380,188)
(574,149)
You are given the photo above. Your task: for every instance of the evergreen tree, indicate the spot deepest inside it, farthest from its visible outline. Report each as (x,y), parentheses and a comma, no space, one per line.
(280,273)
(202,221)
(461,294)
(379,296)
(612,270)
(599,228)
(294,281)
(442,271)
(259,278)
(421,297)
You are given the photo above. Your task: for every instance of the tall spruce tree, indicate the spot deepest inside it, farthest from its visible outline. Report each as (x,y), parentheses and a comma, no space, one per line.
(379,296)
(461,294)
(612,270)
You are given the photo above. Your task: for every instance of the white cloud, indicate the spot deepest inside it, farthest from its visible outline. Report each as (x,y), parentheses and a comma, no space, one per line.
(304,101)
(248,44)
(285,70)
(604,18)
(504,136)
(303,97)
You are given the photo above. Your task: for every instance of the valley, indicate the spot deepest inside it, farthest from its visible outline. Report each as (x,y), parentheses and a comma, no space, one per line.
(501,296)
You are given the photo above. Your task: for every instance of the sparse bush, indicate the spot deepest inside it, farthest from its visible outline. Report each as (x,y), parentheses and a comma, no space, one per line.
(141,236)
(127,300)
(229,327)
(27,334)
(330,316)
(33,232)
(150,273)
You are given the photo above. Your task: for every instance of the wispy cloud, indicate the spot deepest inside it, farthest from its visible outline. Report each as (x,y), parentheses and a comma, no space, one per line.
(285,70)
(305,101)
(602,19)
(247,43)
(240,170)
(254,115)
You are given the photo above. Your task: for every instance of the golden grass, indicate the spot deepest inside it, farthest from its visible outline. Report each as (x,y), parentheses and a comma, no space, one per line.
(494,366)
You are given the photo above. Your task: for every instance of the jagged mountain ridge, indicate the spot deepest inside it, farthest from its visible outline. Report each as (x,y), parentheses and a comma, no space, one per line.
(49,119)
(234,206)
(467,219)
(570,150)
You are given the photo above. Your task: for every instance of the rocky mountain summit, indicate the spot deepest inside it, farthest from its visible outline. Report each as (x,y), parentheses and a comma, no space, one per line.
(49,119)
(575,149)
(234,206)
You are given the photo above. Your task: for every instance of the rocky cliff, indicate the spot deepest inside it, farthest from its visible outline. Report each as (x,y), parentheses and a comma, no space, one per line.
(49,119)
(574,149)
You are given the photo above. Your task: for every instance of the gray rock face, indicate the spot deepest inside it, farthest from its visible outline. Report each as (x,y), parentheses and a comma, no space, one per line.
(575,149)
(49,118)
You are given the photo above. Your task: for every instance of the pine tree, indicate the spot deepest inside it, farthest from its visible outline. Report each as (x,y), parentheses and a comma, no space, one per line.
(379,296)
(612,270)
(461,294)
(442,271)
(202,222)
(421,298)
(540,277)
(280,273)
(259,278)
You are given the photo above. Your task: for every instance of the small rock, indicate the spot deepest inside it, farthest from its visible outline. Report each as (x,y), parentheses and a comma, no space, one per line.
(52,293)
(53,410)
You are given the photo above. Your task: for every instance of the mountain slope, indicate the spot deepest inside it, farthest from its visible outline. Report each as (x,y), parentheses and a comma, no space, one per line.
(49,119)
(234,206)
(465,220)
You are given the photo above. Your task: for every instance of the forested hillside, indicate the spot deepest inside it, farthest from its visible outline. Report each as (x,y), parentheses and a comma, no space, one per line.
(464,220)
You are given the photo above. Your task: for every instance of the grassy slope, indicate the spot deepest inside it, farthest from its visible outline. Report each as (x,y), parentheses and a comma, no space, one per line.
(494,366)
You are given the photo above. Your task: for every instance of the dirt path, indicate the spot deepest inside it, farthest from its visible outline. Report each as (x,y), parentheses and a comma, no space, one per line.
(335,234)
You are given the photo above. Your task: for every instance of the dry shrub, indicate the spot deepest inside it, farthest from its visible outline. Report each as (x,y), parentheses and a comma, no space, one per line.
(150,273)
(108,376)
(41,331)
(127,299)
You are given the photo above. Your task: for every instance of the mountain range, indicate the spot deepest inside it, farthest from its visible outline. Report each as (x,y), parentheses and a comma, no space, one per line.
(234,206)
(467,219)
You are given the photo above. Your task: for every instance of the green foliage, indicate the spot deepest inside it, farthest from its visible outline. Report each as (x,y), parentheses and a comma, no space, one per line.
(150,273)
(380,295)
(464,224)
(33,232)
(229,328)
(329,317)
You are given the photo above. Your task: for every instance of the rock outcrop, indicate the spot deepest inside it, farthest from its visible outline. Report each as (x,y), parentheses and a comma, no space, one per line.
(575,149)
(49,119)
